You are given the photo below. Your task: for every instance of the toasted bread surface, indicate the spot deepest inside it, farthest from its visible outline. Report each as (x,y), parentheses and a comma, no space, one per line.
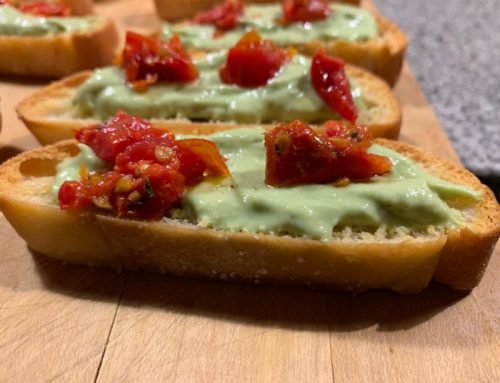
(49,115)
(467,251)
(357,262)
(58,55)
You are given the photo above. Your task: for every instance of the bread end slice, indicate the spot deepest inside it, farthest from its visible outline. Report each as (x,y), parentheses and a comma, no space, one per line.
(352,261)
(58,55)
(468,249)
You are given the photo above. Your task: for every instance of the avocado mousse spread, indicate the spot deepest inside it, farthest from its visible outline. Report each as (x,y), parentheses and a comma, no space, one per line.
(16,23)
(288,96)
(404,198)
(345,23)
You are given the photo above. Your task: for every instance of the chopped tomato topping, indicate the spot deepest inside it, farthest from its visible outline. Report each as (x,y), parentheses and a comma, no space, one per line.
(147,61)
(150,170)
(330,82)
(298,154)
(252,62)
(46,9)
(224,16)
(109,139)
(305,10)
(215,164)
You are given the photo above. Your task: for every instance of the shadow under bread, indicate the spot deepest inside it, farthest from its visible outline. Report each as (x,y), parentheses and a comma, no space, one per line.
(261,305)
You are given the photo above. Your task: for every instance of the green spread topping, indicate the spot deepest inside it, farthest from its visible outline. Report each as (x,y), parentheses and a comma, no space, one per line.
(69,169)
(16,23)
(407,198)
(286,97)
(346,23)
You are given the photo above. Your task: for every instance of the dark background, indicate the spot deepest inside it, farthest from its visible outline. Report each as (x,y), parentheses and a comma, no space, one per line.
(455,55)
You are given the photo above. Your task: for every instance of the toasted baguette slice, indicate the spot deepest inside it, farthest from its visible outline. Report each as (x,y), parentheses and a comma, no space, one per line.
(173,10)
(49,115)
(383,56)
(57,55)
(352,261)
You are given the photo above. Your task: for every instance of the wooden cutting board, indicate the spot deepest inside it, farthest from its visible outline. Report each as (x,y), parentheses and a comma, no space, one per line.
(76,324)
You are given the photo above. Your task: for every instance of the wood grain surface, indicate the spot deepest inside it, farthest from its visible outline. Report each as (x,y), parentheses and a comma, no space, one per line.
(71,323)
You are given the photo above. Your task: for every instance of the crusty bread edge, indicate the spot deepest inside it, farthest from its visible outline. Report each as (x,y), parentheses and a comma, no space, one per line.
(187,250)
(40,111)
(383,56)
(58,55)
(467,251)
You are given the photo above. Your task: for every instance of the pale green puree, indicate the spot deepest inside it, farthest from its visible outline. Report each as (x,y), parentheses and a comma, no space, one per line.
(16,23)
(69,169)
(286,97)
(406,198)
(346,23)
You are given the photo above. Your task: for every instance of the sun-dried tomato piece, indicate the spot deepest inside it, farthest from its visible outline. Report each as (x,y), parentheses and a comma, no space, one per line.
(147,61)
(224,16)
(330,82)
(346,134)
(150,169)
(305,10)
(298,154)
(252,62)
(214,162)
(46,9)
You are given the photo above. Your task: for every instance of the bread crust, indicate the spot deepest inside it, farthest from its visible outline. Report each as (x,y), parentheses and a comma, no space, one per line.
(468,250)
(405,265)
(61,54)
(47,112)
(170,10)
(383,56)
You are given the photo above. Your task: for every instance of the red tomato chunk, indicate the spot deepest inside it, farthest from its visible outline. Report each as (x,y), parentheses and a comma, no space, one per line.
(298,154)
(146,61)
(224,16)
(252,62)
(330,82)
(150,169)
(305,10)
